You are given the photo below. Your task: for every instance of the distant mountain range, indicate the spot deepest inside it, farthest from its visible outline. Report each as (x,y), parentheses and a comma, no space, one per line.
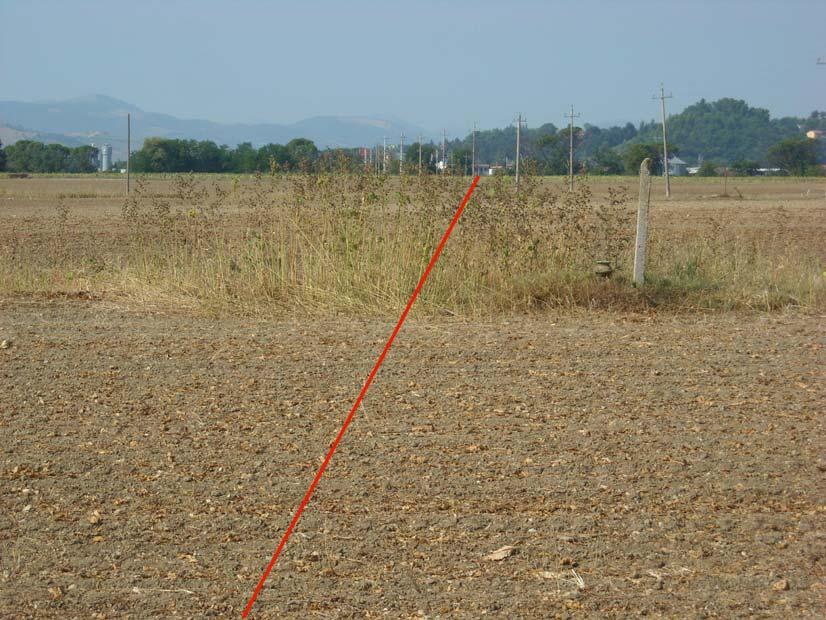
(102,120)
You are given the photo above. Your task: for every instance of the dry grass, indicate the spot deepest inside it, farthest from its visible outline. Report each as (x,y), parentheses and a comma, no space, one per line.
(357,244)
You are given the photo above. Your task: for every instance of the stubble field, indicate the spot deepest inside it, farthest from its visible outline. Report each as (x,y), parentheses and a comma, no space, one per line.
(642,455)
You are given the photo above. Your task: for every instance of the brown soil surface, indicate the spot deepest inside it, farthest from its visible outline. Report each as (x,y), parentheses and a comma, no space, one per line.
(150,462)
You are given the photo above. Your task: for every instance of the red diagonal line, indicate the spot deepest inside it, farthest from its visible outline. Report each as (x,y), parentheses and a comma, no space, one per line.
(364,389)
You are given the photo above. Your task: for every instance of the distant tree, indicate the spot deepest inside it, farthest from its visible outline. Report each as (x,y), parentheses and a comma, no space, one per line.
(24,156)
(276,154)
(245,158)
(303,153)
(55,158)
(160,155)
(636,153)
(430,155)
(2,157)
(460,161)
(597,139)
(82,159)
(206,156)
(550,153)
(606,161)
(707,169)
(795,156)
(816,120)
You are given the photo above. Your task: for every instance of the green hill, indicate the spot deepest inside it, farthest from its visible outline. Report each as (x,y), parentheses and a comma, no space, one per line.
(722,131)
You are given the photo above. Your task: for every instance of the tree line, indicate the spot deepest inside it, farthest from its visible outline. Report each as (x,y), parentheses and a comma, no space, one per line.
(31,156)
(166,155)
(727,133)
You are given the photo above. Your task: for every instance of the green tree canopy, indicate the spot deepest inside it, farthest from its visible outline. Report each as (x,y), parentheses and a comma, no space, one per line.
(302,152)
(795,156)
(636,153)
(31,156)
(707,169)
(430,155)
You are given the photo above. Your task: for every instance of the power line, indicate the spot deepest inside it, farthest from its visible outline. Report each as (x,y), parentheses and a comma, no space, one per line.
(662,97)
(571,118)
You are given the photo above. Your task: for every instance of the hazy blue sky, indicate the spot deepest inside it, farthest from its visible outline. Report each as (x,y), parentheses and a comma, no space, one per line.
(432,63)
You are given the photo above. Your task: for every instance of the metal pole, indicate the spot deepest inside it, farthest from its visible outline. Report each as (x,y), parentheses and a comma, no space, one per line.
(473,153)
(518,129)
(663,97)
(128,149)
(571,153)
(571,116)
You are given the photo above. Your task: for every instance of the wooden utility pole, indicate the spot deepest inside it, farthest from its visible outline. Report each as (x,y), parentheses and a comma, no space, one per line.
(444,157)
(384,155)
(128,148)
(420,156)
(662,99)
(473,153)
(571,118)
(642,223)
(401,155)
(518,132)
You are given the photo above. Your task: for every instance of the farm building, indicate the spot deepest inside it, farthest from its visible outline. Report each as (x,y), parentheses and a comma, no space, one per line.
(677,167)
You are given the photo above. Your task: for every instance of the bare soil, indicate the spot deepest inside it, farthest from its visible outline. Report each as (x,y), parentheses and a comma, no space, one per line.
(640,465)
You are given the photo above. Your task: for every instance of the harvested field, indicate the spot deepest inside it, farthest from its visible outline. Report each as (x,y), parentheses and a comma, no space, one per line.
(649,459)
(151,461)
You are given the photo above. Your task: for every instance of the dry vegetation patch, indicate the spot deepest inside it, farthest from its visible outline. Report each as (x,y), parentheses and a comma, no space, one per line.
(358,243)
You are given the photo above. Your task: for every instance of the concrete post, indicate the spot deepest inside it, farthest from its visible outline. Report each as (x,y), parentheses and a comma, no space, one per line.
(642,222)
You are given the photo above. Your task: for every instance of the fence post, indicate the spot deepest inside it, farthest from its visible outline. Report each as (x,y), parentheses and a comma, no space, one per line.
(642,222)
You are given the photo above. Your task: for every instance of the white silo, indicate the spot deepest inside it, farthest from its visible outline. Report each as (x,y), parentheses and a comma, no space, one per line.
(106,157)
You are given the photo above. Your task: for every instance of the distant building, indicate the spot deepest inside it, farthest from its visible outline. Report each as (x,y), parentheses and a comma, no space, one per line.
(104,157)
(677,167)
(815,134)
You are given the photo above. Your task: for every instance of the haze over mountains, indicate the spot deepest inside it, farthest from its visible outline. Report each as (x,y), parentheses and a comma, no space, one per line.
(101,119)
